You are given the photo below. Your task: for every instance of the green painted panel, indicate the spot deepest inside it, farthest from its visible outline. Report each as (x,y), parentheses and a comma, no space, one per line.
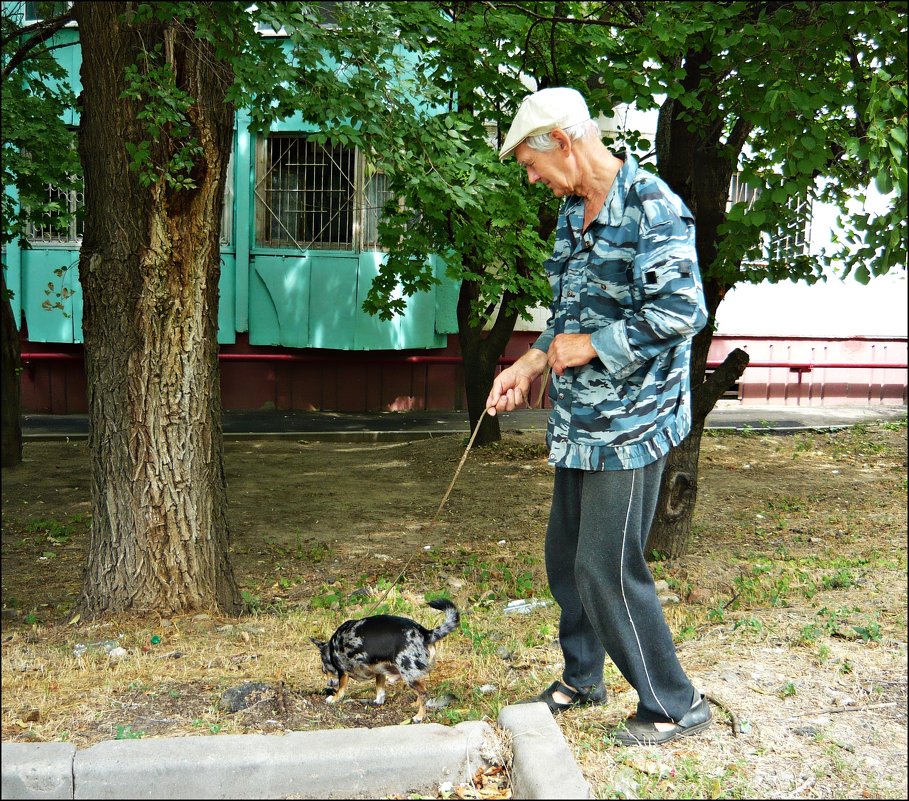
(279,297)
(371,333)
(446,299)
(333,301)
(418,329)
(243,216)
(38,274)
(70,58)
(294,124)
(227,328)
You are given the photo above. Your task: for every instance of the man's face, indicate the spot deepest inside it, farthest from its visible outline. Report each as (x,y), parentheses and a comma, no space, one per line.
(549,167)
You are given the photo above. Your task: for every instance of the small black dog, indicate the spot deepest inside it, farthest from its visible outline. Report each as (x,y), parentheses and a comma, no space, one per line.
(385,647)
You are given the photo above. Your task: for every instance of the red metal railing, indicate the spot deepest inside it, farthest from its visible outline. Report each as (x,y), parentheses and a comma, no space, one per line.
(794,366)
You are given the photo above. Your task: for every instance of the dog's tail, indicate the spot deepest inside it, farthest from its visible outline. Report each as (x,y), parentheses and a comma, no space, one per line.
(452,618)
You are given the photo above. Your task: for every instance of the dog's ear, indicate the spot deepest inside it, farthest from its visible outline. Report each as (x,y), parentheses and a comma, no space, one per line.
(320,644)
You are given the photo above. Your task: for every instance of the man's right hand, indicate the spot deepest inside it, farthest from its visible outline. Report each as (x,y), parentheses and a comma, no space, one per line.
(511,387)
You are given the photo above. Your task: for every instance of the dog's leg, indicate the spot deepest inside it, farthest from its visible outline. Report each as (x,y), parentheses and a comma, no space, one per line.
(419,686)
(342,688)
(380,689)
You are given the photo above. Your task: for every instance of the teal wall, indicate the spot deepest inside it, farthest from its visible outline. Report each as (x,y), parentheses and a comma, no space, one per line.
(315,300)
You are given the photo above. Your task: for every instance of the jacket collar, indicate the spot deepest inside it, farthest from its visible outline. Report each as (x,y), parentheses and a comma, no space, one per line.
(614,208)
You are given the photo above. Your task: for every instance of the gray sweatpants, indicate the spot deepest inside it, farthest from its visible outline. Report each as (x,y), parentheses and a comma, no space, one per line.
(598,528)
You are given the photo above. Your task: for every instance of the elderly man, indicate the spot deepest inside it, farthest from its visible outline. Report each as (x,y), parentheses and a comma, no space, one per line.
(627,301)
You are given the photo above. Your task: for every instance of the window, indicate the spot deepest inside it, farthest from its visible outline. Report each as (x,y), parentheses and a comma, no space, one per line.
(53,227)
(315,196)
(376,191)
(227,214)
(38,11)
(64,223)
(740,192)
(793,239)
(790,240)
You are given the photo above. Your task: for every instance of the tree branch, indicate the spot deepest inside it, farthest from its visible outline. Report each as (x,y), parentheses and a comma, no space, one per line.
(541,18)
(718,382)
(37,34)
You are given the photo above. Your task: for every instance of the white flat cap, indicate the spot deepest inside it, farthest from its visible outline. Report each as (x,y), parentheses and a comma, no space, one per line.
(542,112)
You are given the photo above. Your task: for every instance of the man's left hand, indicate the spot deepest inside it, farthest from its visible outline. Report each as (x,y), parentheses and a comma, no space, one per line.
(570,350)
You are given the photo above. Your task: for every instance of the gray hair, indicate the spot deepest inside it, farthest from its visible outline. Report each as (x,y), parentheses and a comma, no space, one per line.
(545,142)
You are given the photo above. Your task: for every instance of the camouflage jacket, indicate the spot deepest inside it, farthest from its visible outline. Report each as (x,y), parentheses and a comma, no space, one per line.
(632,282)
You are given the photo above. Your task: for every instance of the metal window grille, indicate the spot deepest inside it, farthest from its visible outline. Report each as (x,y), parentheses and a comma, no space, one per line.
(740,192)
(314,196)
(376,194)
(787,241)
(54,229)
(227,214)
(304,194)
(794,239)
(53,226)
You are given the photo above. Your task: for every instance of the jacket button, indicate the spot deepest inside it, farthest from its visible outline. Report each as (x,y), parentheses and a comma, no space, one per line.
(561,396)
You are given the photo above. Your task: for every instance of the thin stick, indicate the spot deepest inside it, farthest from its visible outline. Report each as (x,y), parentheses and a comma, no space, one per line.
(835,709)
(733,718)
(473,436)
(539,404)
(438,511)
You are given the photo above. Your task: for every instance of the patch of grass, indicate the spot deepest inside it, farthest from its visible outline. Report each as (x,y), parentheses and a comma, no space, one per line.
(59,532)
(128,733)
(839,580)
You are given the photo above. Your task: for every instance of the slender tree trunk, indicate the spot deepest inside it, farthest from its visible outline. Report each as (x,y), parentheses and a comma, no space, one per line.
(481,351)
(149,269)
(700,170)
(11,391)
(481,355)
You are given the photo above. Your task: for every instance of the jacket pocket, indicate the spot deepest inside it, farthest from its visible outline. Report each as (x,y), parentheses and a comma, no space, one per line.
(609,290)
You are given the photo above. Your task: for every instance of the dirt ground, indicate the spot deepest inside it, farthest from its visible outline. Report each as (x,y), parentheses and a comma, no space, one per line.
(790,607)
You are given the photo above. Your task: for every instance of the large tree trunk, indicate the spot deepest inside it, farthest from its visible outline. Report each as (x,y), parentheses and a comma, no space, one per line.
(149,268)
(11,393)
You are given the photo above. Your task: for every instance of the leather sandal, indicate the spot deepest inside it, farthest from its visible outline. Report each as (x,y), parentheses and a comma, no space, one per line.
(596,695)
(638,732)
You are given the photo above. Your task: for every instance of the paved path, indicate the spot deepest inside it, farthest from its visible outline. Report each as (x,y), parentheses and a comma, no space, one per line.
(383,426)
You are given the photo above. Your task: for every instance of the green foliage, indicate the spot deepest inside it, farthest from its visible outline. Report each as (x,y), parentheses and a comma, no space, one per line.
(808,101)
(128,733)
(820,90)
(788,690)
(38,147)
(164,112)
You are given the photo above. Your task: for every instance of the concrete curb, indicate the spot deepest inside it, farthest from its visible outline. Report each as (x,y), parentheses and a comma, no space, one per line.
(543,765)
(42,770)
(333,763)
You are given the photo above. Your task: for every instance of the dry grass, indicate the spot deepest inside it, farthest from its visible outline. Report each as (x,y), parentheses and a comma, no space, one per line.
(792,613)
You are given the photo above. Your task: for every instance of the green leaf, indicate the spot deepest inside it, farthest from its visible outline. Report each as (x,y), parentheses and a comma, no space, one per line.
(883,182)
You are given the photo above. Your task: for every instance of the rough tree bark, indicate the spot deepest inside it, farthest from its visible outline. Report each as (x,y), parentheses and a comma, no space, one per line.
(481,351)
(10,395)
(149,268)
(698,163)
